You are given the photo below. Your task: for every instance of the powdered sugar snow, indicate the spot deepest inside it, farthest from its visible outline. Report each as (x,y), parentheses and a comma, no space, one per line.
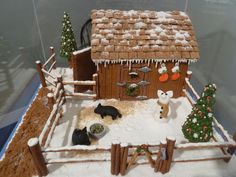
(139,125)
(143,125)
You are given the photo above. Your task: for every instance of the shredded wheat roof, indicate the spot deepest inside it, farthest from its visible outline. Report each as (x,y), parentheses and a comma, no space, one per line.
(142,35)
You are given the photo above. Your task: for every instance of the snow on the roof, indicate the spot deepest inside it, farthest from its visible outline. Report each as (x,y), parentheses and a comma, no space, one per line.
(129,31)
(139,25)
(81,51)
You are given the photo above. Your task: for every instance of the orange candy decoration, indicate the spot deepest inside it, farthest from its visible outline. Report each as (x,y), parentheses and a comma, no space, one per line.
(164,77)
(175,76)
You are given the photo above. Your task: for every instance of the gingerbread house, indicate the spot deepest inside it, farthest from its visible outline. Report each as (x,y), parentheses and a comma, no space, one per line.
(138,52)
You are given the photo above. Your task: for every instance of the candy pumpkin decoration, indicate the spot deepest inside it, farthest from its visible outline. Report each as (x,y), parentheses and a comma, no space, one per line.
(176,72)
(163,71)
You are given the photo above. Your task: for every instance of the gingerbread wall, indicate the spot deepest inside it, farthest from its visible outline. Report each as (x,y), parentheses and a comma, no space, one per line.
(83,69)
(112,74)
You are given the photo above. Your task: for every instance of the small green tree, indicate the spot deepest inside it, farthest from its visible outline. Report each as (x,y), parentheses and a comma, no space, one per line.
(68,43)
(198,126)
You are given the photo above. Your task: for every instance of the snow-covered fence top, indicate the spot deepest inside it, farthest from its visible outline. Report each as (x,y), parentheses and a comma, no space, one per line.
(81,51)
(205,145)
(52,57)
(78,148)
(189,85)
(88,82)
(93,83)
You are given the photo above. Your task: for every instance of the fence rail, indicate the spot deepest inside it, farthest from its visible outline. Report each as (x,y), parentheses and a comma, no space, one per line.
(204,145)
(88,82)
(55,101)
(48,77)
(206,158)
(42,69)
(76,160)
(190,87)
(50,59)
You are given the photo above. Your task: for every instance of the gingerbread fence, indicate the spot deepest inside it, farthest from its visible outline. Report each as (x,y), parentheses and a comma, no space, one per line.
(92,83)
(49,78)
(122,156)
(56,99)
(42,69)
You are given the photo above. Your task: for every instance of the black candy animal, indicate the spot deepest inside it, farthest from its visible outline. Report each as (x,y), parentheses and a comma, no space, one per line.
(107,111)
(80,137)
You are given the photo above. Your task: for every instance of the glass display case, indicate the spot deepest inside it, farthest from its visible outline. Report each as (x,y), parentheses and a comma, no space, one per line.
(30,28)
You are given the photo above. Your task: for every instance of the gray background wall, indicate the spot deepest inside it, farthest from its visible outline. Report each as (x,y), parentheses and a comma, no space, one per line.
(28,28)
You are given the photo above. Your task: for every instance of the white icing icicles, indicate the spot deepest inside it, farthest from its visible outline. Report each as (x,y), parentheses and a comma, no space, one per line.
(130,64)
(156,64)
(105,64)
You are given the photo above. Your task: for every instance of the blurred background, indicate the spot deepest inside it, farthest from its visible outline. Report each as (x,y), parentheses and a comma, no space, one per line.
(28,28)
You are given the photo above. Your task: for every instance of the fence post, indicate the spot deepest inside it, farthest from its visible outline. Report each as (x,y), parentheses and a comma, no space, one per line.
(37,156)
(117,164)
(231,150)
(113,158)
(189,74)
(169,153)
(53,59)
(161,156)
(124,156)
(41,75)
(95,87)
(149,155)
(75,72)
(60,80)
(51,100)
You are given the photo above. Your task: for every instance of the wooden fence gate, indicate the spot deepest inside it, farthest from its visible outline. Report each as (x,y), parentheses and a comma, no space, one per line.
(121,160)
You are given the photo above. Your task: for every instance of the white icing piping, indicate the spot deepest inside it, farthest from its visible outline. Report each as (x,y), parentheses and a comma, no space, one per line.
(130,63)
(156,64)
(106,61)
(138,61)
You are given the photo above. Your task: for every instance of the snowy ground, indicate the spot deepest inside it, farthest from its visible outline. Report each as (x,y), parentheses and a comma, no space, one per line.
(139,124)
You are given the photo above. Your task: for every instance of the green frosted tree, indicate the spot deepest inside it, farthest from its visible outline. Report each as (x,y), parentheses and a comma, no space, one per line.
(198,125)
(68,43)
